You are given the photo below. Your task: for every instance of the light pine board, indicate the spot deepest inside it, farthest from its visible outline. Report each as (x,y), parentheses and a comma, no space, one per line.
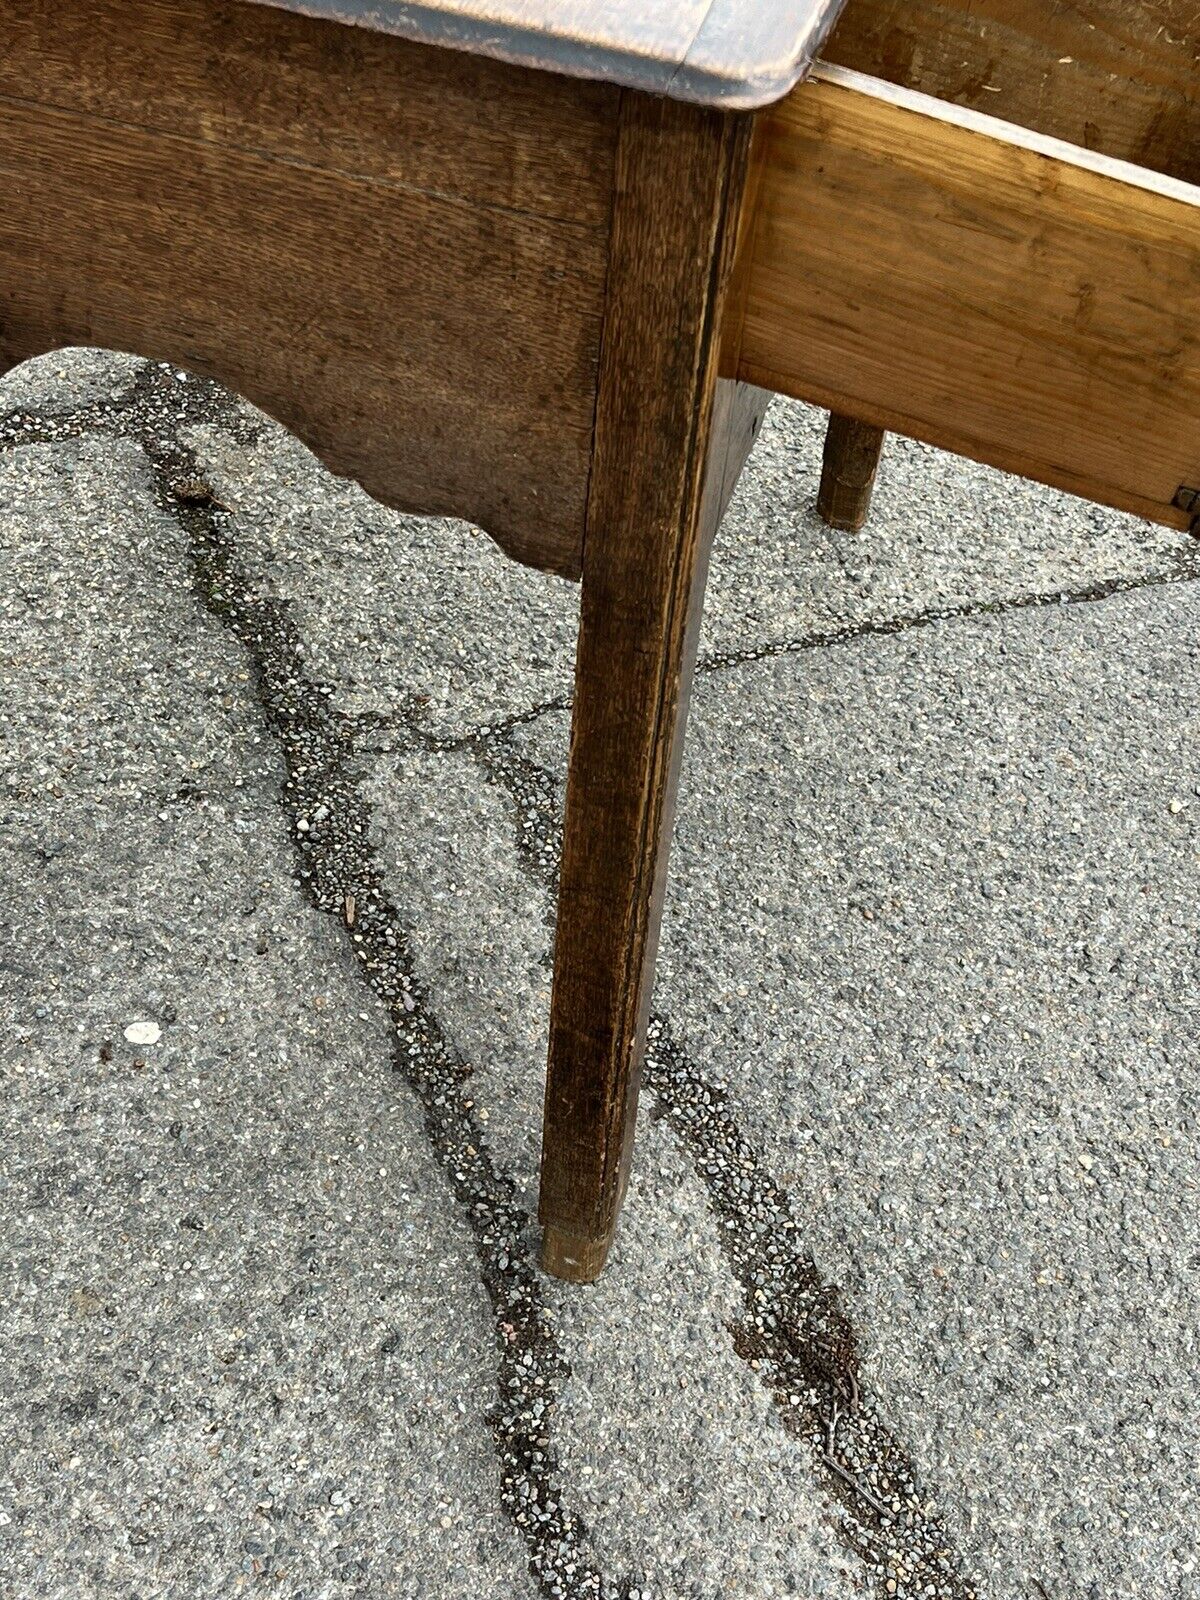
(979,286)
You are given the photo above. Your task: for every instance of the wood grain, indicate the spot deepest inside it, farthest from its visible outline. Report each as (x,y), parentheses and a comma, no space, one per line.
(419,299)
(848,467)
(1004,295)
(733,53)
(665,461)
(1119,76)
(307,92)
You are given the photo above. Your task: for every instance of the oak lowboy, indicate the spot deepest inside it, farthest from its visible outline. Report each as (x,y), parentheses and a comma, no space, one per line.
(539,263)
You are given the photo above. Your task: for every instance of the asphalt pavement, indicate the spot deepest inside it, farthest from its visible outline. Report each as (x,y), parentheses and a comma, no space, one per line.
(904,1298)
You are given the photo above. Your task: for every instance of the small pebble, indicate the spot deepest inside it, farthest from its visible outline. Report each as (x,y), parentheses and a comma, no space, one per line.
(143,1033)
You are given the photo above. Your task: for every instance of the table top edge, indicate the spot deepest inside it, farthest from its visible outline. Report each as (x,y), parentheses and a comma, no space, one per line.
(727,62)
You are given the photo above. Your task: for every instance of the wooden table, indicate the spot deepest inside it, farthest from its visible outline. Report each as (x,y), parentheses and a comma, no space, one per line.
(537,263)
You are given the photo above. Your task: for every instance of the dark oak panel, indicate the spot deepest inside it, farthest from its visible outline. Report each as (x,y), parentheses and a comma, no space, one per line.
(435,337)
(669,445)
(341,99)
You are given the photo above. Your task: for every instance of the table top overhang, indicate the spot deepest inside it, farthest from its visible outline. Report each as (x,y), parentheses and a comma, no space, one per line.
(737,54)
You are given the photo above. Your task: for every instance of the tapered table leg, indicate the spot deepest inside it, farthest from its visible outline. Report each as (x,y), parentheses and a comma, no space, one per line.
(668,447)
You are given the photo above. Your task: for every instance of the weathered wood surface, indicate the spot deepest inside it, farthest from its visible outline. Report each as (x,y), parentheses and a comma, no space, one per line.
(667,455)
(733,53)
(984,288)
(399,252)
(848,468)
(1119,76)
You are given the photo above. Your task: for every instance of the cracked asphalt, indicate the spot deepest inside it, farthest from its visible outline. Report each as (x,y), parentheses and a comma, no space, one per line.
(904,1298)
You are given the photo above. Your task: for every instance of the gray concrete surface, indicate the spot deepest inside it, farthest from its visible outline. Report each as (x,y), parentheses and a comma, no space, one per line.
(926,1032)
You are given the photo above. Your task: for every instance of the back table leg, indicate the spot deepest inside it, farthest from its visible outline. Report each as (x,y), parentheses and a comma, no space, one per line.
(851,460)
(668,447)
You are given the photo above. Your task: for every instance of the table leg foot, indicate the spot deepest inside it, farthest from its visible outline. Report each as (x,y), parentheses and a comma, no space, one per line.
(573,1259)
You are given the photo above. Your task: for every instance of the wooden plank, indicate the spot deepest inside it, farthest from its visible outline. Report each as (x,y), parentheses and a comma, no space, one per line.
(667,456)
(421,302)
(1004,295)
(732,53)
(1118,76)
(346,101)
(848,468)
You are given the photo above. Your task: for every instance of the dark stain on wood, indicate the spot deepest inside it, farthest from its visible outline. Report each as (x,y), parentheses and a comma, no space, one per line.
(399,252)
(1119,76)
(661,476)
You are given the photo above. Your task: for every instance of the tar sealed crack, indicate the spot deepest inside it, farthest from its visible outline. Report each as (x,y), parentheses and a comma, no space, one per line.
(1184,568)
(329,822)
(795,1332)
(331,825)
(532,791)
